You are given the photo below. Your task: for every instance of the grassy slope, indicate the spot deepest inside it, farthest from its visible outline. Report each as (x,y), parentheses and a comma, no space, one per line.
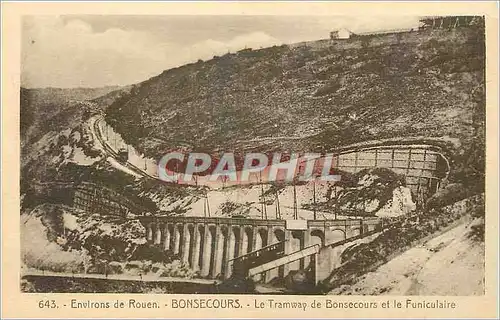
(427,83)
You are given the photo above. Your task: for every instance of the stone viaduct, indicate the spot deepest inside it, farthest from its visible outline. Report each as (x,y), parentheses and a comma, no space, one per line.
(210,244)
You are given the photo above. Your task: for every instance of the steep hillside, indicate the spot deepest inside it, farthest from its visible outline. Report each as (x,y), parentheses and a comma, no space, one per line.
(54,109)
(315,97)
(431,252)
(57,144)
(108,98)
(451,263)
(58,238)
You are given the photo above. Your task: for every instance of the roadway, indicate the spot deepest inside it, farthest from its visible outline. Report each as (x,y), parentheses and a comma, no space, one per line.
(120,277)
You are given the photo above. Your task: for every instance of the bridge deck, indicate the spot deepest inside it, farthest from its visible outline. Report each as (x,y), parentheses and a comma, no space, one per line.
(258,222)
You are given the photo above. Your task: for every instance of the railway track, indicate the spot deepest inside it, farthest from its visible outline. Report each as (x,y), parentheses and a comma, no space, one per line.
(114,154)
(111,152)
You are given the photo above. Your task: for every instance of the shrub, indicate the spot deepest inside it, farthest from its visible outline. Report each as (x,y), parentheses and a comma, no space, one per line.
(329,88)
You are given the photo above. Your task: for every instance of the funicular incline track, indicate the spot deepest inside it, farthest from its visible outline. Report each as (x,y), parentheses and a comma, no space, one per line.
(258,257)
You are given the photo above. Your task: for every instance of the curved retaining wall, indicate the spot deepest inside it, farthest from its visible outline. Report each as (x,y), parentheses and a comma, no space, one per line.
(423,165)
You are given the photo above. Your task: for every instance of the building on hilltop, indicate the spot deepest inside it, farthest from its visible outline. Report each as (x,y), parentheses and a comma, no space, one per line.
(342,33)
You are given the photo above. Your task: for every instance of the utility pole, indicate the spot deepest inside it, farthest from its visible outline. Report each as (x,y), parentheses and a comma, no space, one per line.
(314,199)
(205,208)
(208,205)
(278,212)
(295,212)
(264,209)
(335,201)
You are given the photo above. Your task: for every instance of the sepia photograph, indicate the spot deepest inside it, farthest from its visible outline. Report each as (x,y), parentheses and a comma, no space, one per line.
(253,154)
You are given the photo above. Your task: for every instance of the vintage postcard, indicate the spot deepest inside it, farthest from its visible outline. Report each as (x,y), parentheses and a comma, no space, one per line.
(249,159)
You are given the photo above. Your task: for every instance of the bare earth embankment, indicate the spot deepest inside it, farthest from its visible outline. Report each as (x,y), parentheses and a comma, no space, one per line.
(449,264)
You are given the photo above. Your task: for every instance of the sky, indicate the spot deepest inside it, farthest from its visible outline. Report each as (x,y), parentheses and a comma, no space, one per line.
(105,50)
